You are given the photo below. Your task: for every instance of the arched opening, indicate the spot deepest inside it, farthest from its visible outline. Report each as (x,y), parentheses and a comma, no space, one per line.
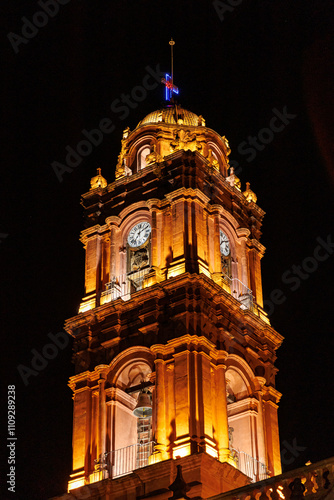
(232,269)
(131,433)
(141,156)
(242,411)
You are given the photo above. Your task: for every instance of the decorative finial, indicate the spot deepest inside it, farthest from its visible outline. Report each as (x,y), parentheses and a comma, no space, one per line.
(234,180)
(201,121)
(168,81)
(249,194)
(98,181)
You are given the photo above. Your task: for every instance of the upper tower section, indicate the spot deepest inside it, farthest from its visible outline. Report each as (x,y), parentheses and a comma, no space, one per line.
(174,183)
(165,131)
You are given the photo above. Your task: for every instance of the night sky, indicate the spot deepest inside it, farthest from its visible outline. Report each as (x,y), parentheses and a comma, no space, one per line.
(238,66)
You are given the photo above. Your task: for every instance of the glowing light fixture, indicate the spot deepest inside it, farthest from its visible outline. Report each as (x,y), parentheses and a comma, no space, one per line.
(181,451)
(169,87)
(75,484)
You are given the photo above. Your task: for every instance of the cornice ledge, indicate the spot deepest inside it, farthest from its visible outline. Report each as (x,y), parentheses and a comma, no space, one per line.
(242,232)
(82,377)
(154,203)
(218,355)
(261,248)
(113,220)
(93,192)
(161,350)
(77,321)
(271,334)
(97,230)
(272,393)
(253,206)
(187,192)
(192,339)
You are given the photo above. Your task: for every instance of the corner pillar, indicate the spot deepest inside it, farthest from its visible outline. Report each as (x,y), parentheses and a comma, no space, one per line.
(222,421)
(102,431)
(260,424)
(160,430)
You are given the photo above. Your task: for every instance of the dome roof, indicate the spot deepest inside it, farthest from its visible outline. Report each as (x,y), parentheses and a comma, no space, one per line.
(172,115)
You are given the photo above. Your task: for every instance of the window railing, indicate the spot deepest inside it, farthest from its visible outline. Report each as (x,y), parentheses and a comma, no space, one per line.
(125,460)
(250,466)
(124,285)
(240,292)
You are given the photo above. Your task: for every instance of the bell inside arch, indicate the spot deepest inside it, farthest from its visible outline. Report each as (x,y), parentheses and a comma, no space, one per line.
(144,406)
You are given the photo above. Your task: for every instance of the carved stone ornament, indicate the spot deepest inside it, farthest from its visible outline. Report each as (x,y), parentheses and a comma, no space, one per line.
(126,132)
(201,121)
(234,180)
(249,194)
(225,141)
(98,181)
(153,157)
(121,164)
(212,160)
(184,139)
(139,259)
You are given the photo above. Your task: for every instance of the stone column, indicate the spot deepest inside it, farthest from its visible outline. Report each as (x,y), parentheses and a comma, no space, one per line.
(254,262)
(218,267)
(160,430)
(221,404)
(105,258)
(260,424)
(102,431)
(112,252)
(113,224)
(154,239)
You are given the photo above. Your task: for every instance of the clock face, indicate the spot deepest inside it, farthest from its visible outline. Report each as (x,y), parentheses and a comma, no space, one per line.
(224,244)
(139,234)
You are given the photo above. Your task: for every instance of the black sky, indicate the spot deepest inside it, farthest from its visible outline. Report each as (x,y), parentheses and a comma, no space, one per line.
(263,56)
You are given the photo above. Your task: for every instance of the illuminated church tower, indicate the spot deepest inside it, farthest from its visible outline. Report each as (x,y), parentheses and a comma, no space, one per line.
(174,354)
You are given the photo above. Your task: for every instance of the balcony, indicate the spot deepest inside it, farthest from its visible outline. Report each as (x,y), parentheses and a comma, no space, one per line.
(239,291)
(124,285)
(251,467)
(123,461)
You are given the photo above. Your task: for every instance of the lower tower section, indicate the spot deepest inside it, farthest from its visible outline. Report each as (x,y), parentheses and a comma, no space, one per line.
(205,366)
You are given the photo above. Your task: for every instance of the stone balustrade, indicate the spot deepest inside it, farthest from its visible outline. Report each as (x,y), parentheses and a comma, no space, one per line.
(315,481)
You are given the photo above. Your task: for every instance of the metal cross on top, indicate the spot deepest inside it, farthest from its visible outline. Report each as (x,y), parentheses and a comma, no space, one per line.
(168,80)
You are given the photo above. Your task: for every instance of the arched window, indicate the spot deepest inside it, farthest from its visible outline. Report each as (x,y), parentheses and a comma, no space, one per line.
(225,254)
(215,156)
(141,156)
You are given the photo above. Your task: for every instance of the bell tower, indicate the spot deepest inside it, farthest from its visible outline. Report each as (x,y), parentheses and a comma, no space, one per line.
(174,354)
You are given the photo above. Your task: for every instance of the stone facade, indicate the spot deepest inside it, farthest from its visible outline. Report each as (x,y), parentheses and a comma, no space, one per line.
(173,306)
